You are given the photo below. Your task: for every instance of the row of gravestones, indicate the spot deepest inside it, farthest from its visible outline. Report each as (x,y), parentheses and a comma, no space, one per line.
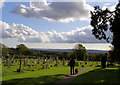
(12,61)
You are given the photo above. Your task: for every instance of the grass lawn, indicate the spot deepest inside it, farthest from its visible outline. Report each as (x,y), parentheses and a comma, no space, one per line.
(36,75)
(99,76)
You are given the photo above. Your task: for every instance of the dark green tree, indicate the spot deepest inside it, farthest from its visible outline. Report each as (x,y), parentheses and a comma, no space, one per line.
(79,52)
(105,22)
(5,51)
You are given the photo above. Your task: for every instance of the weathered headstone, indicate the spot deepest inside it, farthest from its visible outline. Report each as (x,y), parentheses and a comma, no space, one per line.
(15,60)
(56,61)
(25,62)
(7,63)
(44,61)
(64,62)
(43,67)
(76,64)
(38,60)
(34,61)
(47,65)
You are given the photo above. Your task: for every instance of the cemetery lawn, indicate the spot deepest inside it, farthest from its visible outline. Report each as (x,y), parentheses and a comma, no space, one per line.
(35,75)
(38,77)
(98,76)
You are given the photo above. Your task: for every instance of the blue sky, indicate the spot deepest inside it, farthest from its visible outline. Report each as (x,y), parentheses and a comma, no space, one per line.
(40,25)
(61,30)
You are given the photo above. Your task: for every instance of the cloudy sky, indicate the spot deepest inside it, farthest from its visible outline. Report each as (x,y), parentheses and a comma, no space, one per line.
(50,24)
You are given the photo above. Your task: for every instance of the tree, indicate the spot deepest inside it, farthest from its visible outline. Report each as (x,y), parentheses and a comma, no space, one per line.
(79,52)
(64,54)
(21,50)
(5,51)
(105,22)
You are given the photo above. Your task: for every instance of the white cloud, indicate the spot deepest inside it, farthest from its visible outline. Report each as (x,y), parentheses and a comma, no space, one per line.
(106,4)
(18,31)
(55,11)
(2,3)
(111,8)
(26,34)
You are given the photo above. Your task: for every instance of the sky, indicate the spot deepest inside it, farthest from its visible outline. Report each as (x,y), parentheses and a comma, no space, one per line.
(49,24)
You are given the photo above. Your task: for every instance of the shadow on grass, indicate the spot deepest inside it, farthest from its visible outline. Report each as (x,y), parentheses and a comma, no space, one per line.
(108,76)
(42,80)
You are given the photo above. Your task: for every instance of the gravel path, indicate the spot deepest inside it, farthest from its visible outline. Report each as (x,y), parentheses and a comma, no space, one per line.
(66,80)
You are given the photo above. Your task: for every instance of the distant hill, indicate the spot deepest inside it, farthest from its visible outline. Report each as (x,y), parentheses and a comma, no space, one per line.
(69,50)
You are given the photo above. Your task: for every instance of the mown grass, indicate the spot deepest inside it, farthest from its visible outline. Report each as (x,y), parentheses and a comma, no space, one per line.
(98,76)
(36,75)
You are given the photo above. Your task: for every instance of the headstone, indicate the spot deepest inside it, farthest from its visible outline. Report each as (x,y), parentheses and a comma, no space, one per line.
(38,60)
(44,61)
(25,62)
(15,60)
(34,61)
(9,63)
(64,62)
(76,64)
(47,65)
(56,61)
(30,66)
(43,67)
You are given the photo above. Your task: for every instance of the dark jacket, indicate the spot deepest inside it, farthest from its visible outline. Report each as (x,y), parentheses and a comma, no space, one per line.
(72,62)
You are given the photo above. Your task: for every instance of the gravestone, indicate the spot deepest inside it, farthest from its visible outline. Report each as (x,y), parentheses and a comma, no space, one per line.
(43,67)
(76,64)
(56,59)
(12,59)
(47,65)
(25,62)
(7,63)
(34,61)
(38,60)
(15,60)
(44,61)
(64,62)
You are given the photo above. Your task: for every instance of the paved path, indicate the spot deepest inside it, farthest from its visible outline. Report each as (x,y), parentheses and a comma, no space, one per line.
(66,80)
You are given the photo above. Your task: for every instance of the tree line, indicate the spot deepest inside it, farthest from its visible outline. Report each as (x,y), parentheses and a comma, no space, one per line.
(79,53)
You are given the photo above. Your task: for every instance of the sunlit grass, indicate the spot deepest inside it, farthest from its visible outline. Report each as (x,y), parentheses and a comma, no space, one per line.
(36,74)
(99,76)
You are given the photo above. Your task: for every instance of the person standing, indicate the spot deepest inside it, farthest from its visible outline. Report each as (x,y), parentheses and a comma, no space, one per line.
(72,64)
